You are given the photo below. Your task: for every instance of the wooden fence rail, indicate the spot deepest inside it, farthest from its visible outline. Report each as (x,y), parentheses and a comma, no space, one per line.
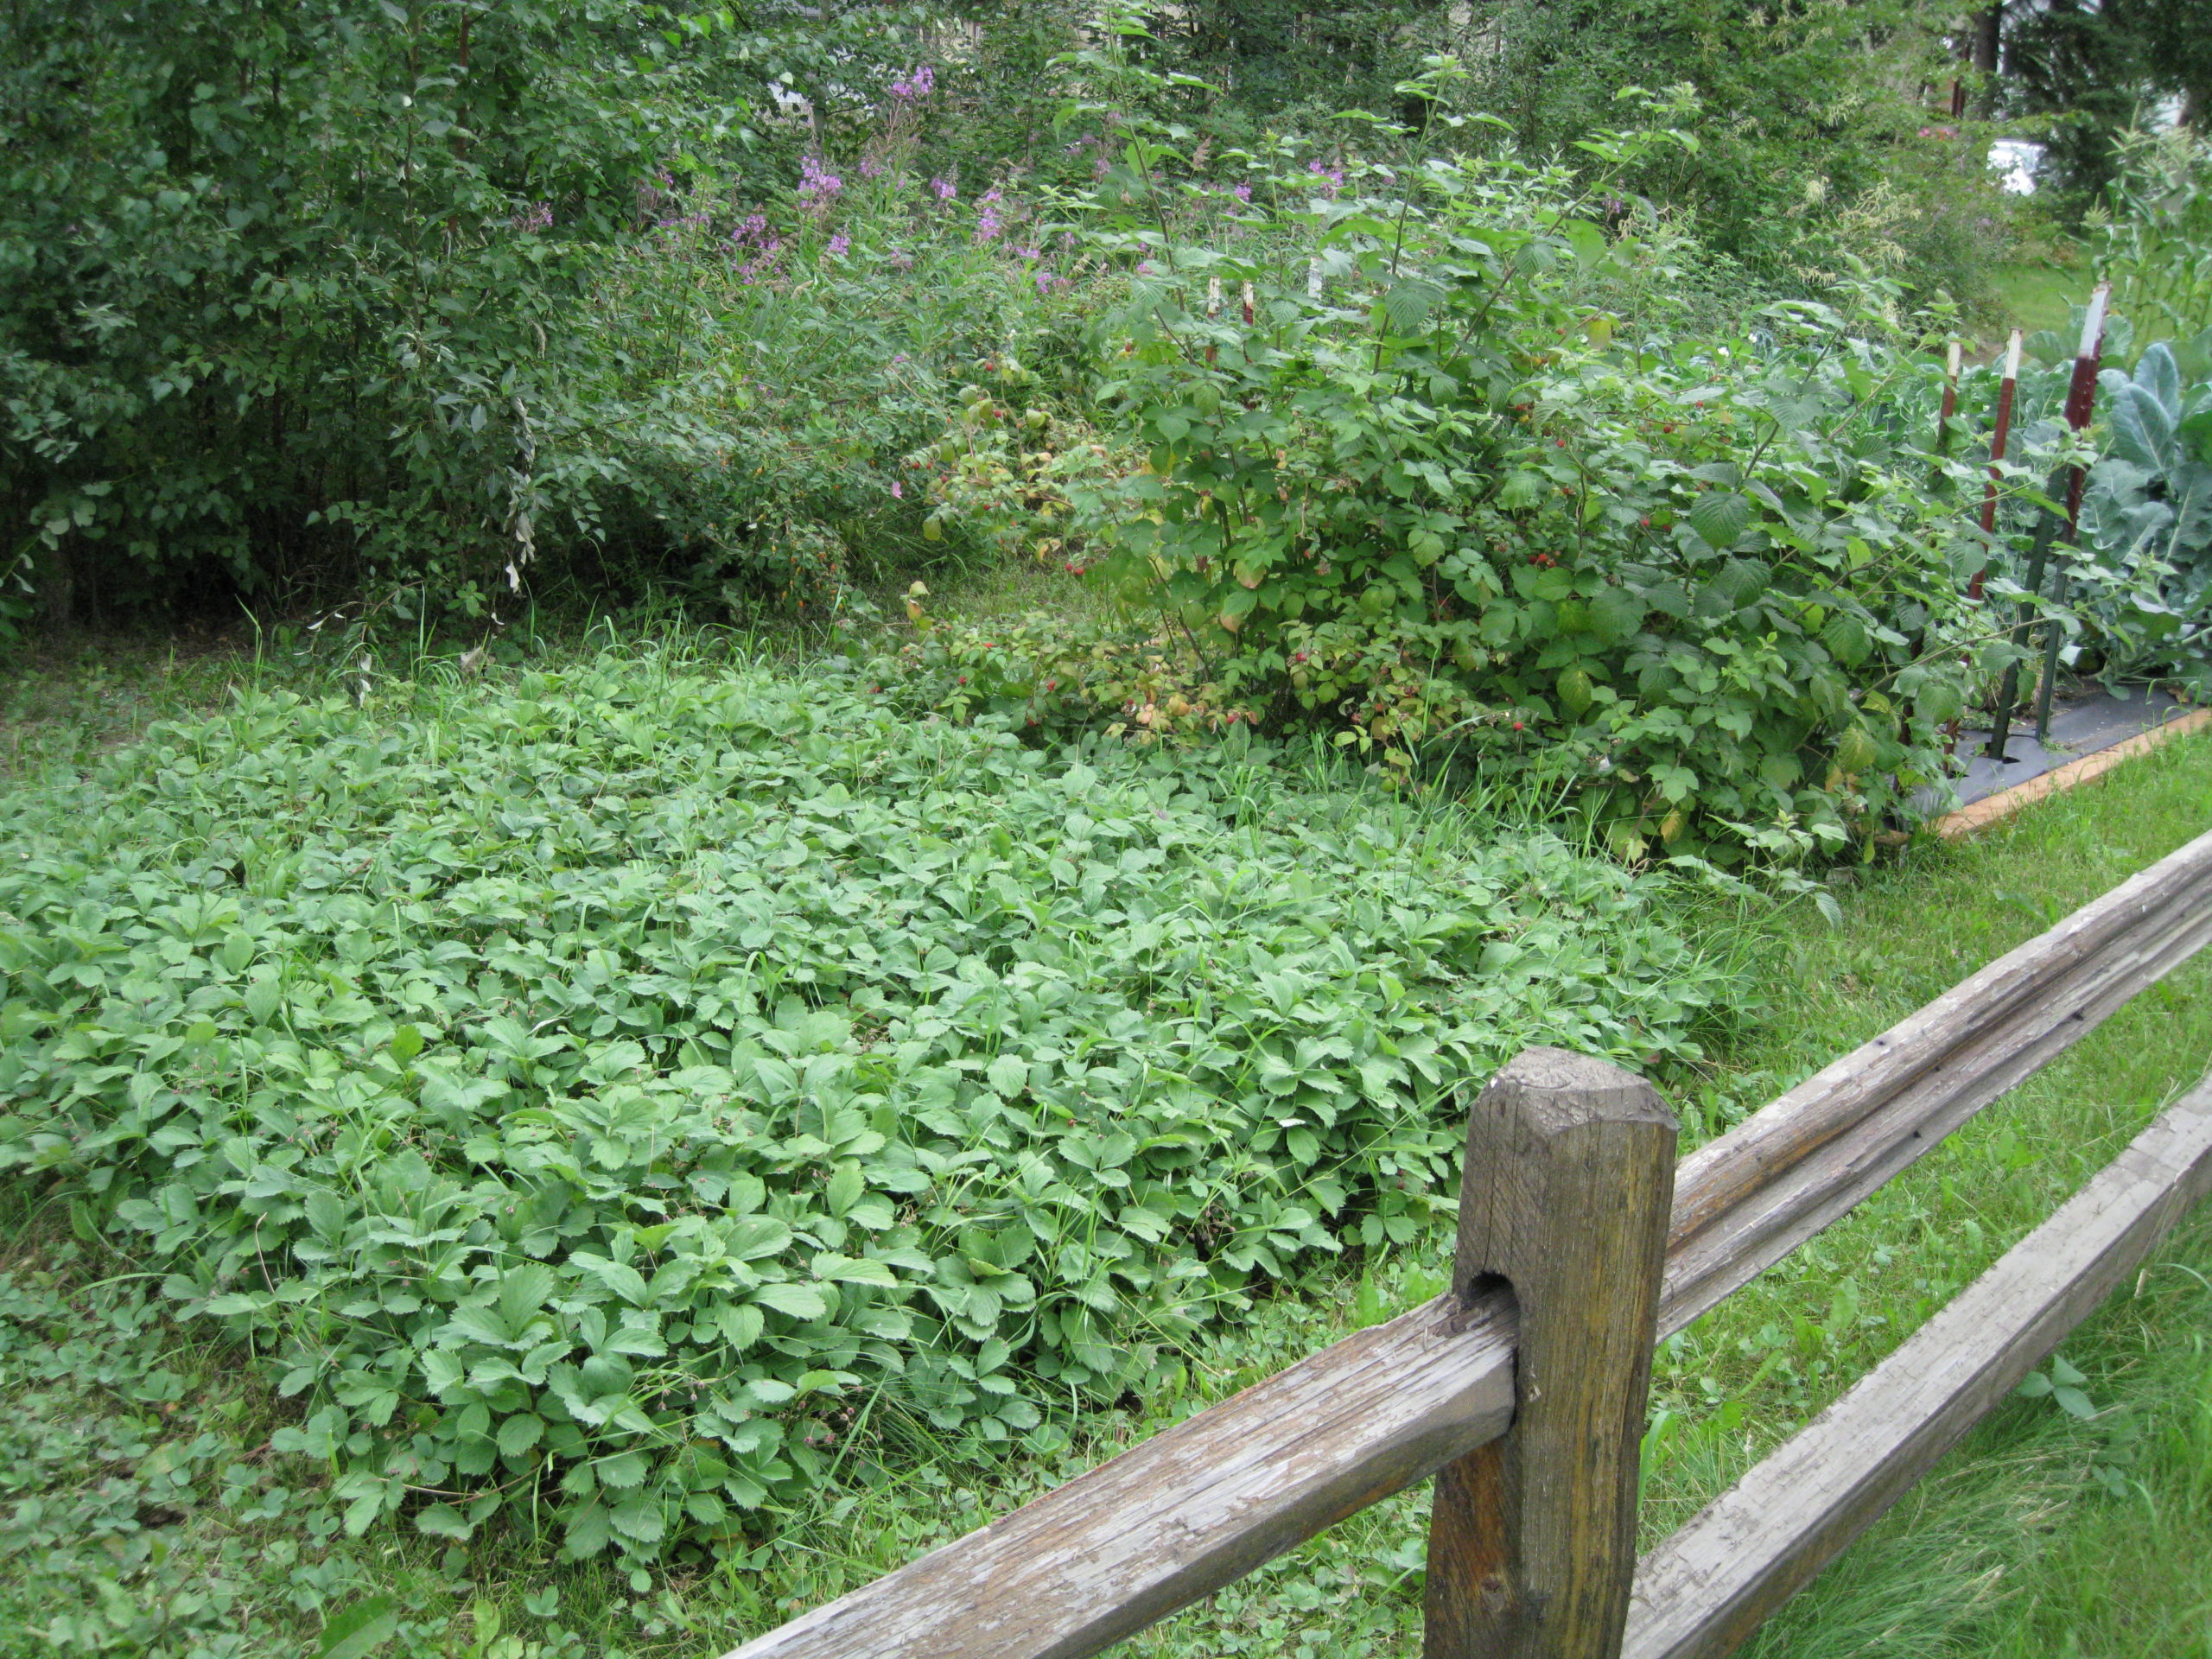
(1206,1502)
(1711,1585)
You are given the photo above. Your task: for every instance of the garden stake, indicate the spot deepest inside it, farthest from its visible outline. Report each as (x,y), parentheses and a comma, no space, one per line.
(2081,395)
(2005,389)
(2049,655)
(1953,361)
(2081,399)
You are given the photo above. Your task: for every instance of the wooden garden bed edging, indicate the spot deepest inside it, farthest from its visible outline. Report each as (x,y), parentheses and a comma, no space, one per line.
(1201,1504)
(1994,809)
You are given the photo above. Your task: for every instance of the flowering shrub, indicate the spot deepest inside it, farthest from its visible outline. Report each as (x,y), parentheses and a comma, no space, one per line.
(1423,486)
(582,338)
(227,360)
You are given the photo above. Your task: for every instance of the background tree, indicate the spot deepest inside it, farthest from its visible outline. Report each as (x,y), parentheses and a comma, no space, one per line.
(2093,70)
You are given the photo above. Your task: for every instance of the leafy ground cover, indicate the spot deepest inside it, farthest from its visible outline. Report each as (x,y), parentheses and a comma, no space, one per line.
(634,1097)
(148,1508)
(149,1511)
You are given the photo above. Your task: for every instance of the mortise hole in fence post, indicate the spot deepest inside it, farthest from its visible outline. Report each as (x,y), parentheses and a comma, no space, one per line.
(1568,1182)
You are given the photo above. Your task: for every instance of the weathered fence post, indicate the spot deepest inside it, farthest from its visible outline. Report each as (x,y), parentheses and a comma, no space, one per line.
(1569,1177)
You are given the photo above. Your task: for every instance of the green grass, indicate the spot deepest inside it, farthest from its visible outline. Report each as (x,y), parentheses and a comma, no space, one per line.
(134,1452)
(2016,1544)
(2039,296)
(2043,295)
(64,703)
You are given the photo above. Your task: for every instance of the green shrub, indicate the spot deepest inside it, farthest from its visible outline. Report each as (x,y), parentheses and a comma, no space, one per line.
(1412,450)
(311,303)
(2152,238)
(626,1096)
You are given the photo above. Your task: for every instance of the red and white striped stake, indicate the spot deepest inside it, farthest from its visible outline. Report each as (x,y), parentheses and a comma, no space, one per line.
(2082,394)
(1953,362)
(2005,389)
(2081,401)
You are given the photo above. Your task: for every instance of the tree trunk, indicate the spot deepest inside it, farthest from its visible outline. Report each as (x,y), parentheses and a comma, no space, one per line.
(53,578)
(1989,38)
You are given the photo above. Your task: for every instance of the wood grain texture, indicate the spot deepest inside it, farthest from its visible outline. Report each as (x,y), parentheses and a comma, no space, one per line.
(1570,1168)
(1746,1200)
(1708,1587)
(1191,1509)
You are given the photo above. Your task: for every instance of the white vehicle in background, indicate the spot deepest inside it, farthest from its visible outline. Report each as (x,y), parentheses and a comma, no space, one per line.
(2016,160)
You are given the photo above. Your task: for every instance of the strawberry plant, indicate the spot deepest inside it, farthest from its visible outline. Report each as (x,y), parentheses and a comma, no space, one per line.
(632,1097)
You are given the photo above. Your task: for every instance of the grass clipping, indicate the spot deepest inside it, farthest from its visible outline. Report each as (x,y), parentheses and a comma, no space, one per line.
(634,1097)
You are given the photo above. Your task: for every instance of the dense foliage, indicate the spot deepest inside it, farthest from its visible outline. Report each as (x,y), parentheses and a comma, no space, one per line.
(2146,516)
(428,308)
(391,303)
(2153,239)
(629,1096)
(1419,449)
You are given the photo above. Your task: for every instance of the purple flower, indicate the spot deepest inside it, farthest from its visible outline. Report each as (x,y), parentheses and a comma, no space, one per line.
(1243,192)
(753,230)
(988,225)
(917,85)
(1334,175)
(944,189)
(1029,253)
(537,216)
(840,245)
(900,259)
(871,167)
(817,183)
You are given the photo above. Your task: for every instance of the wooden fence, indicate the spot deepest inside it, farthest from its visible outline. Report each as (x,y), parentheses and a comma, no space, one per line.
(1522,1387)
